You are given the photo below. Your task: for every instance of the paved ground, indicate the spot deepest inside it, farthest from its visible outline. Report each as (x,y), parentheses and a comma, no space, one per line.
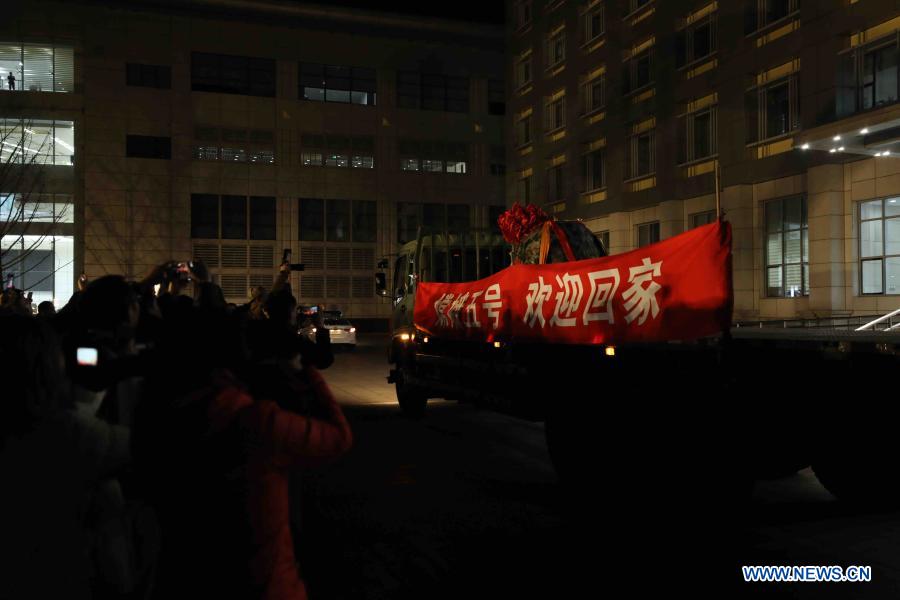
(466,503)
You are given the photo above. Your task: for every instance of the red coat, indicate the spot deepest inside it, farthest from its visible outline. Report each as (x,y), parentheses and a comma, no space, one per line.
(278,440)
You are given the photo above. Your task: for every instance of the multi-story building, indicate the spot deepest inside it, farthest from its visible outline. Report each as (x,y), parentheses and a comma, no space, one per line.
(622,112)
(175,130)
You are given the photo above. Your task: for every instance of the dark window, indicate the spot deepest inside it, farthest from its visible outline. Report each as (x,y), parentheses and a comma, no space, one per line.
(594,25)
(432,92)
(523,131)
(771,110)
(777,9)
(204,216)
(145,146)
(593,94)
(312,219)
(337,220)
(642,70)
(408,219)
(555,184)
(604,240)
(409,90)
(364,221)
(642,154)
(234,218)
(787,248)
(496,97)
(524,190)
(594,177)
(778,110)
(262,218)
(703,135)
(458,217)
(154,76)
(494,213)
(498,160)
(703,43)
(648,233)
(703,218)
(330,83)
(879,77)
(232,74)
(434,216)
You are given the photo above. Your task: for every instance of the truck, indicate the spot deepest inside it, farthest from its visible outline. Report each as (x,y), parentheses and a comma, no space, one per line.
(754,400)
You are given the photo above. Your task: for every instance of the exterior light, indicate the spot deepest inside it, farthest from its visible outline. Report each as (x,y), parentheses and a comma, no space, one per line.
(804,147)
(353,330)
(878,154)
(425,339)
(841,149)
(886,152)
(610,351)
(832,150)
(497,344)
(413,337)
(836,138)
(315,329)
(404,337)
(864,131)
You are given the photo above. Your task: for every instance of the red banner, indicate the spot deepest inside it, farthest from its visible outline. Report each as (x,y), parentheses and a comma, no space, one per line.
(677,289)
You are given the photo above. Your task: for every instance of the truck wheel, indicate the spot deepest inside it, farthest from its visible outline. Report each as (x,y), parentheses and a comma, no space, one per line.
(411,398)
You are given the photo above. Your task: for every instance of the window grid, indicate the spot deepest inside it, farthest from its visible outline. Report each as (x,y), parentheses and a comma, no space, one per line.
(879,247)
(787,248)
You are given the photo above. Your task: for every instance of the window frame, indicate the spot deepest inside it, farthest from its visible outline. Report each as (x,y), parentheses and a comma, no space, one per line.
(784,231)
(633,154)
(550,112)
(650,228)
(883,256)
(587,32)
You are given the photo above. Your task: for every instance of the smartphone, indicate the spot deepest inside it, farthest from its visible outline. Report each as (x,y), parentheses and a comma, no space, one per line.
(313,310)
(183,271)
(86,357)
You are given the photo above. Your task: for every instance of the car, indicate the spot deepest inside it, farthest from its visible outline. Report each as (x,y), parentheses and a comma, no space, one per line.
(340,330)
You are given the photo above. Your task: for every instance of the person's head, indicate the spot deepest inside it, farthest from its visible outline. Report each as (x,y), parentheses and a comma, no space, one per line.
(46,309)
(281,307)
(110,305)
(32,372)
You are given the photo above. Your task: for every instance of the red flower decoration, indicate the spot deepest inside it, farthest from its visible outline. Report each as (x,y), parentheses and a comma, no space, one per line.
(517,222)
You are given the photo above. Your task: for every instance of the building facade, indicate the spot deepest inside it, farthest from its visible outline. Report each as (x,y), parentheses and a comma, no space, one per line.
(183,130)
(621,113)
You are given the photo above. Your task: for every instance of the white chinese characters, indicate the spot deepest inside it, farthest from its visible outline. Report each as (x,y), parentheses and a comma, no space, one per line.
(639,301)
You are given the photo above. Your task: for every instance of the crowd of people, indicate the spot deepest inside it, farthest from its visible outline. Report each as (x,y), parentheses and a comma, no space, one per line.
(148,438)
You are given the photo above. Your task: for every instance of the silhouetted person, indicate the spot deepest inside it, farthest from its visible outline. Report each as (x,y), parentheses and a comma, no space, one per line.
(11,80)
(46,309)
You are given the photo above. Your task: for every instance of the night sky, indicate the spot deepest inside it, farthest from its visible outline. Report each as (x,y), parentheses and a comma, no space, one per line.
(487,11)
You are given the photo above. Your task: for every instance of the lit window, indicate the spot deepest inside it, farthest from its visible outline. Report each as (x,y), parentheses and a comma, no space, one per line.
(336,160)
(879,246)
(456,166)
(409,164)
(363,162)
(787,248)
(311,158)
(432,165)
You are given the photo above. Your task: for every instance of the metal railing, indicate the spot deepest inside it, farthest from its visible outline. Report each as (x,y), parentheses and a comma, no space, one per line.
(845,323)
(888,322)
